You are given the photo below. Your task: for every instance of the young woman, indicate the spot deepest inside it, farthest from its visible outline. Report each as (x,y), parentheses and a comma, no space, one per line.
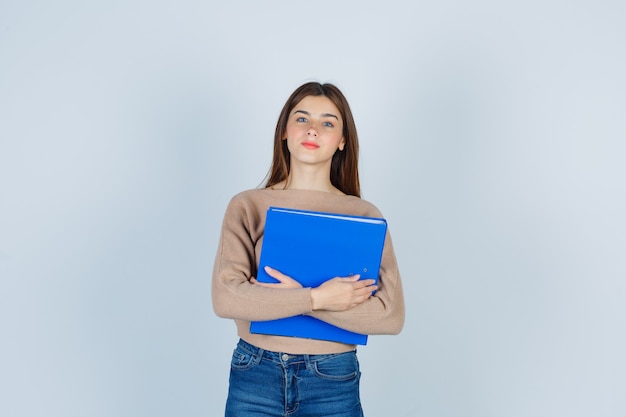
(314,167)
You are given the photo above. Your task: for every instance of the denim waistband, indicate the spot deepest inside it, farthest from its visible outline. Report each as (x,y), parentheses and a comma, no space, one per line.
(283,357)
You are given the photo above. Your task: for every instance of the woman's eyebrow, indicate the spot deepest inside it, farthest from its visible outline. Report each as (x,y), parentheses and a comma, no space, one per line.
(323,114)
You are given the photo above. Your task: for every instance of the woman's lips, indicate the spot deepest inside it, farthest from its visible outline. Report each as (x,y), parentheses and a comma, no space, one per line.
(310,145)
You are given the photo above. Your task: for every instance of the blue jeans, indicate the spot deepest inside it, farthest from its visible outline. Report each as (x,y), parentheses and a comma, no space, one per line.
(264,383)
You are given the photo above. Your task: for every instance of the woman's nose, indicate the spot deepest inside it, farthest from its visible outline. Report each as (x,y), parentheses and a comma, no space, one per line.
(312,131)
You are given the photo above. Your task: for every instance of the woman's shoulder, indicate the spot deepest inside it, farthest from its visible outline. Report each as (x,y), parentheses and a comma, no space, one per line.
(366,207)
(248,194)
(248,199)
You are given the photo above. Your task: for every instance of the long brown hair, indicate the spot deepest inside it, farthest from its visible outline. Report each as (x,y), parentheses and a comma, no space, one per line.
(344,168)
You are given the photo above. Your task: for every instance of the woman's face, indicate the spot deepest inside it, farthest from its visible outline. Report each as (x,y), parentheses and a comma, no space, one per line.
(314,131)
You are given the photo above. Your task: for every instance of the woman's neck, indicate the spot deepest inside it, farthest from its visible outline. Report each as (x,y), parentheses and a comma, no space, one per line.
(308,179)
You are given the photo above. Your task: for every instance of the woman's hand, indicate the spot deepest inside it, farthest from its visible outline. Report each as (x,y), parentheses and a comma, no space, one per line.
(340,294)
(284,281)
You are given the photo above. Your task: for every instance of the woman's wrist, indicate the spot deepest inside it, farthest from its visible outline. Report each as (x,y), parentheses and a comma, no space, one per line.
(314,299)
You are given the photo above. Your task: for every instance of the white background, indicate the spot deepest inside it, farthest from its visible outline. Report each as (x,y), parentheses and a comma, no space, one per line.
(493,138)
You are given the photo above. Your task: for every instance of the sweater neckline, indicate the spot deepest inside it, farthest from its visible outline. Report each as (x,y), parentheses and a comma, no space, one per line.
(305,190)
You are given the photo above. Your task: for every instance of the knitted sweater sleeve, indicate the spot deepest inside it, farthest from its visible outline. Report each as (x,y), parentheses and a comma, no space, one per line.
(232,294)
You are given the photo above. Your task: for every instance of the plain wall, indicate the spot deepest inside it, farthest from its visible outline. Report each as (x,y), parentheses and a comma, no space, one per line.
(492,138)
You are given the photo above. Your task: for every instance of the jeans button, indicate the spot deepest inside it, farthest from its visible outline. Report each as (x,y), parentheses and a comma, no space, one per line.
(285,357)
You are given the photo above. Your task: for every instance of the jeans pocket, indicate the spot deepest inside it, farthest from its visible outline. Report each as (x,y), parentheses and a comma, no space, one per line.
(340,367)
(241,360)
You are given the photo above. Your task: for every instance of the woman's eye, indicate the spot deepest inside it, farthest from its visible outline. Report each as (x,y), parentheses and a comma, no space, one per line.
(328,124)
(301,119)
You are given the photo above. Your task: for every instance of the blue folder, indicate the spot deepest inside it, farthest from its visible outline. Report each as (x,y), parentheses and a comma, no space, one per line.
(313,247)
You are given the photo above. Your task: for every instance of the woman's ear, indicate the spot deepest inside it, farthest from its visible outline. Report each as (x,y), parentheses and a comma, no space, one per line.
(342,144)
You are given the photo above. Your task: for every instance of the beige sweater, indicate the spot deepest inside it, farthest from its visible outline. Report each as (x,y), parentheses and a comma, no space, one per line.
(237,261)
